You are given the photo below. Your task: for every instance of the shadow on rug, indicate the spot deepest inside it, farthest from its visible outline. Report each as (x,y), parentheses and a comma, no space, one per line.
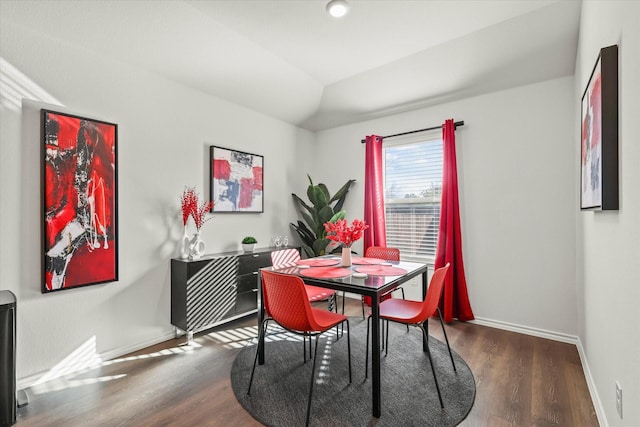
(409,398)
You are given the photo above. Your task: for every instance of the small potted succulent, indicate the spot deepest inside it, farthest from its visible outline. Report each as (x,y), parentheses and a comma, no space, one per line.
(248,243)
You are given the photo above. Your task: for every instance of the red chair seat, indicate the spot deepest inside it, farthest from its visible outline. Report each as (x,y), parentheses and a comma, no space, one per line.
(401,310)
(326,319)
(316,293)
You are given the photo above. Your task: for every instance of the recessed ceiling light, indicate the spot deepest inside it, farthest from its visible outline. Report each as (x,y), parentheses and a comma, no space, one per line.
(337,8)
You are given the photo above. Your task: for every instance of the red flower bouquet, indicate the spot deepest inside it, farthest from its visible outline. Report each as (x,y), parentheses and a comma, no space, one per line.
(343,233)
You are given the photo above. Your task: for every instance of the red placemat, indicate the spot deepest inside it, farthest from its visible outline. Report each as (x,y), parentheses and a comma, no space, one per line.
(318,262)
(366,261)
(326,272)
(381,270)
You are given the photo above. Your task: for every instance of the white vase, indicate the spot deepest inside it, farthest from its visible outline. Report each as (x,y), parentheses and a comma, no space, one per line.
(196,247)
(184,244)
(248,247)
(346,257)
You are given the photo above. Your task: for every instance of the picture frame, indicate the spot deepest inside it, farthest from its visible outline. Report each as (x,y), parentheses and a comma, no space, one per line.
(79,201)
(599,135)
(236,181)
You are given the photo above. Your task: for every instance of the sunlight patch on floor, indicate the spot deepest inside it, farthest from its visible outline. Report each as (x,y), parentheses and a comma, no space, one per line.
(325,363)
(86,359)
(248,335)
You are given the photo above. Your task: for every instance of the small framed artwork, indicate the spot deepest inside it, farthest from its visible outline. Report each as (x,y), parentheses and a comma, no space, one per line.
(236,180)
(599,135)
(79,199)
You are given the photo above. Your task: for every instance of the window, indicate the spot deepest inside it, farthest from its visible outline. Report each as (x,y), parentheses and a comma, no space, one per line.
(413,188)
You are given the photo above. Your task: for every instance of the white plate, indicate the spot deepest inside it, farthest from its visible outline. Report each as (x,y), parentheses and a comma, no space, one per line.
(359,275)
(385,263)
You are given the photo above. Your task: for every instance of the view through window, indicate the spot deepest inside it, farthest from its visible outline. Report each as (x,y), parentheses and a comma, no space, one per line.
(413,188)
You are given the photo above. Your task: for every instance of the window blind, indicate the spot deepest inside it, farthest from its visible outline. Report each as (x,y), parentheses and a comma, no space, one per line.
(413,189)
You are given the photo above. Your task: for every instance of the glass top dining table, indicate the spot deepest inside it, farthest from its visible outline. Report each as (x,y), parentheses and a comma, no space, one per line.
(381,278)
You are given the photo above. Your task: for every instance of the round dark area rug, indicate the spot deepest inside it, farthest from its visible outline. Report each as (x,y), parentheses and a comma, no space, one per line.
(409,398)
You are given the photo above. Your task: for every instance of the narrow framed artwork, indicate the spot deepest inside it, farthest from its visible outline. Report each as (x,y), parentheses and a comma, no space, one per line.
(79,198)
(236,180)
(599,135)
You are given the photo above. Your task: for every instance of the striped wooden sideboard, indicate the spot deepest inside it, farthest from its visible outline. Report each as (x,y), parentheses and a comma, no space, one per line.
(215,289)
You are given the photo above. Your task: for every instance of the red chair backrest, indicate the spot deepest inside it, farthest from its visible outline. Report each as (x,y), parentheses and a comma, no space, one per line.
(388,254)
(286,301)
(285,258)
(430,304)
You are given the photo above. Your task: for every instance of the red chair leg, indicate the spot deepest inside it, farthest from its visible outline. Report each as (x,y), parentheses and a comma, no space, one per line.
(313,370)
(432,368)
(447,340)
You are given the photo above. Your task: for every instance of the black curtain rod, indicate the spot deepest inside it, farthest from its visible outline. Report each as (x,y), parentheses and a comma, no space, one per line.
(455,125)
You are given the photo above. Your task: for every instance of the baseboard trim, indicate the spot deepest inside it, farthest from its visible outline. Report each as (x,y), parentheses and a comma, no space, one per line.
(527,330)
(595,397)
(28,381)
(556,336)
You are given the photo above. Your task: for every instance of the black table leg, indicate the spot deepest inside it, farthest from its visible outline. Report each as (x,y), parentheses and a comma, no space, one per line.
(260,319)
(425,343)
(375,355)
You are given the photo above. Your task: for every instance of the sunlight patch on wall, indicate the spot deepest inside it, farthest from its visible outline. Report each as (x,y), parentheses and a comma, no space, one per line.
(83,357)
(14,86)
(64,383)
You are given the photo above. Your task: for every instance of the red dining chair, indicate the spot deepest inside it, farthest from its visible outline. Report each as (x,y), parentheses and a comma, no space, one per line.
(288,305)
(415,313)
(289,258)
(387,254)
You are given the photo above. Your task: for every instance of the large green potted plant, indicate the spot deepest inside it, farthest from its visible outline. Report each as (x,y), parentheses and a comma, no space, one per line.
(323,208)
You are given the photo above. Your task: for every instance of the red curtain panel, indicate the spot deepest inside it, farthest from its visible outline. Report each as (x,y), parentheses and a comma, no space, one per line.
(455,300)
(375,235)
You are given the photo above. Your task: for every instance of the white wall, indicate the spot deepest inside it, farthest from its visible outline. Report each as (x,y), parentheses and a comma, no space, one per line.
(164,132)
(517,190)
(519,202)
(609,242)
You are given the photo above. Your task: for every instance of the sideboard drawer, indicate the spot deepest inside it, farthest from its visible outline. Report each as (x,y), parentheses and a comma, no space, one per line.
(246,301)
(247,282)
(250,262)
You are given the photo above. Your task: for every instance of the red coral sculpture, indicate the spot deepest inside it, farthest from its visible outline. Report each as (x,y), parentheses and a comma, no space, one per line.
(192,207)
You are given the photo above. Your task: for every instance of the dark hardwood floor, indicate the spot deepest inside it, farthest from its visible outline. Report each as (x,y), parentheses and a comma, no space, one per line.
(521,381)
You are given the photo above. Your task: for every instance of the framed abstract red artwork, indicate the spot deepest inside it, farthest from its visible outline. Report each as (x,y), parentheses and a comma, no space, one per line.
(80,193)
(236,181)
(599,135)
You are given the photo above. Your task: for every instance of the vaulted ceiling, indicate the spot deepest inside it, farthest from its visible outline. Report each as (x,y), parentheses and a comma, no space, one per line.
(292,61)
